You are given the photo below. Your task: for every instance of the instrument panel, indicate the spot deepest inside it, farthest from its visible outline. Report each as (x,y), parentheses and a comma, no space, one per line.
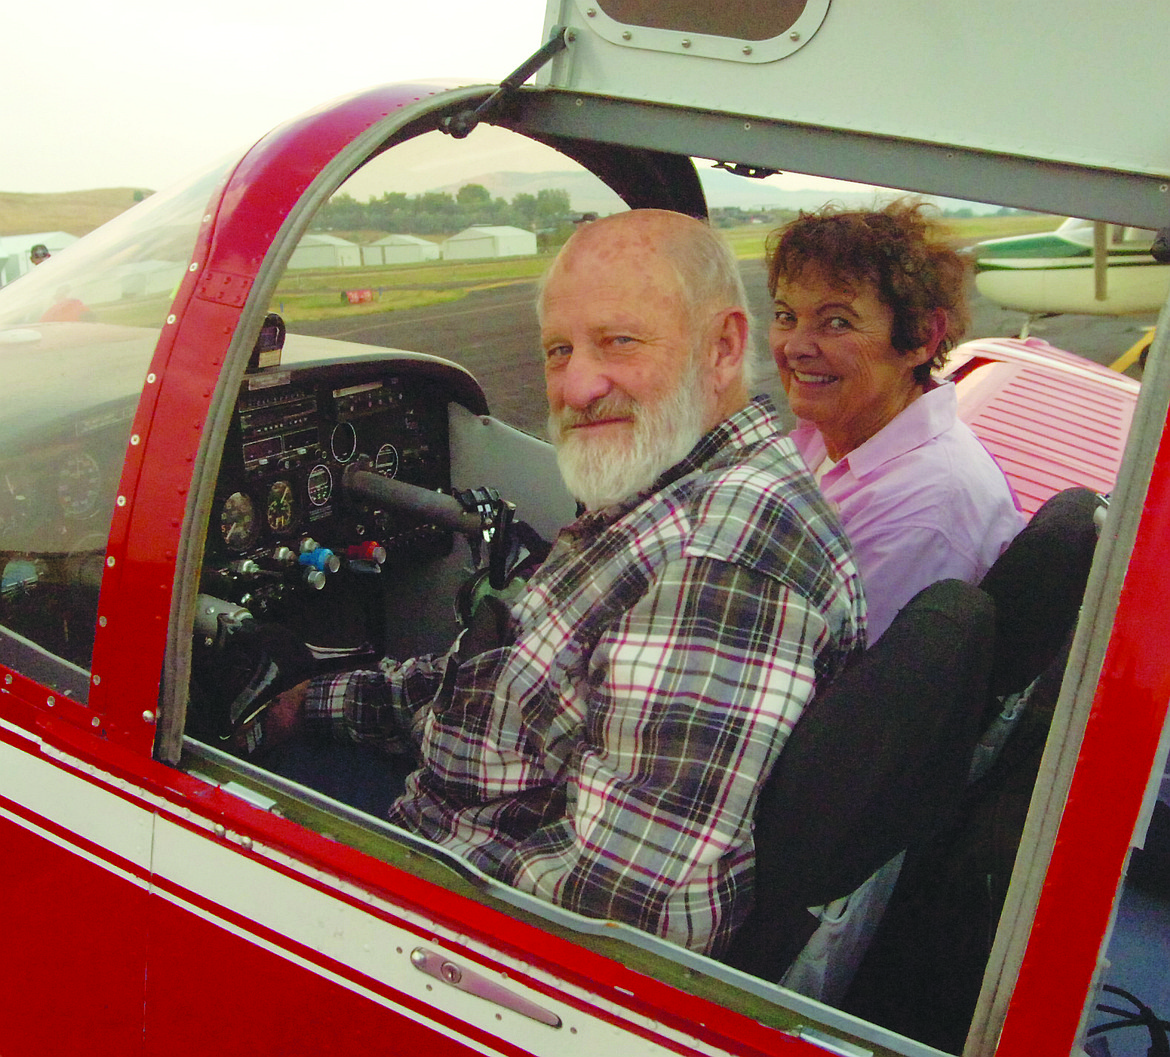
(282,526)
(293,437)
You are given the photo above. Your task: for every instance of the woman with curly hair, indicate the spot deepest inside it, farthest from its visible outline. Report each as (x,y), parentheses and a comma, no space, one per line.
(866,304)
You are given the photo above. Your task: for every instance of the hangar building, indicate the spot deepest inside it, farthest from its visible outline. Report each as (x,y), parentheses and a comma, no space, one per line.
(400,249)
(478,242)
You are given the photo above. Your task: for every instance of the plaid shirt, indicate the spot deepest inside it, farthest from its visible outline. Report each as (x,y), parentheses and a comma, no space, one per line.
(609,759)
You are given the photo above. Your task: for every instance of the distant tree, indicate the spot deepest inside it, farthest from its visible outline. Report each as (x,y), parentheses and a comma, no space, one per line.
(524,210)
(473,196)
(548,213)
(341,212)
(552,205)
(439,202)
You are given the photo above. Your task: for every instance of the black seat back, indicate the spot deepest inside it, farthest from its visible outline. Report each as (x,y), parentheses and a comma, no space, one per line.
(877,762)
(923,972)
(1038,584)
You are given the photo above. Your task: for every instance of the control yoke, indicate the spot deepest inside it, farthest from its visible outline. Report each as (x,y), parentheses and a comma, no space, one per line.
(479,514)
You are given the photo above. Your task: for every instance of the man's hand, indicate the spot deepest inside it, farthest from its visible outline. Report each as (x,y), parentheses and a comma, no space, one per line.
(278,723)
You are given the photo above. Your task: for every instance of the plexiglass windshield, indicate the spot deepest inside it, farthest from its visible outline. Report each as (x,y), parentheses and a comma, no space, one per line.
(76,336)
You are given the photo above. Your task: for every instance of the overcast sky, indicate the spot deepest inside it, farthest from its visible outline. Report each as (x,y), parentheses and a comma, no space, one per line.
(141,93)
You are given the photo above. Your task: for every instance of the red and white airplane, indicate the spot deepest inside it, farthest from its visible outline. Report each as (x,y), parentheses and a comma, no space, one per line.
(169,471)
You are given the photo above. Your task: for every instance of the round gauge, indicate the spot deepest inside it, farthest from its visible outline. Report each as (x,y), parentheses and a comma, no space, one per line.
(79,480)
(280,507)
(343,441)
(238,527)
(320,484)
(386,462)
(20,499)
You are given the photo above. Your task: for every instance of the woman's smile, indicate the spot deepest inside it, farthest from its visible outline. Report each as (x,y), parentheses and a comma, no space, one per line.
(837,364)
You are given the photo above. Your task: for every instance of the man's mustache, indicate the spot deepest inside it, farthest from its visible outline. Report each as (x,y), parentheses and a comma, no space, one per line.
(609,406)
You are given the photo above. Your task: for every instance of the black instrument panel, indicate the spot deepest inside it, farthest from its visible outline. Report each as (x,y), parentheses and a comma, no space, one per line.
(284,536)
(292,436)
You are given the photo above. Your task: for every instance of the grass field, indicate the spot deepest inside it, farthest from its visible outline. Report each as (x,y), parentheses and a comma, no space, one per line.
(320,294)
(77,212)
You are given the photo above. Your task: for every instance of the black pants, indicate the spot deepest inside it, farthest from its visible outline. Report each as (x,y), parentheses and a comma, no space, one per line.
(354,774)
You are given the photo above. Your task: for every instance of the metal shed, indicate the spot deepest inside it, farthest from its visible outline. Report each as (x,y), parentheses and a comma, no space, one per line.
(400,249)
(326,251)
(496,241)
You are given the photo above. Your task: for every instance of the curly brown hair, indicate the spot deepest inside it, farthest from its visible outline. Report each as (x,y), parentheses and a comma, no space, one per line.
(901,251)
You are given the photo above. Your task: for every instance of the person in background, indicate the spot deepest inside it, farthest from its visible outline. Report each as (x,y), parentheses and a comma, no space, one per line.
(608,754)
(865,306)
(39,253)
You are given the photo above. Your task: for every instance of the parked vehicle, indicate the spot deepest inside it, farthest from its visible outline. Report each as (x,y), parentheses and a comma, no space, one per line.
(1064,271)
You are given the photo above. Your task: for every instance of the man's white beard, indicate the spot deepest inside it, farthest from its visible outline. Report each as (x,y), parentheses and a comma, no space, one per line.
(603,470)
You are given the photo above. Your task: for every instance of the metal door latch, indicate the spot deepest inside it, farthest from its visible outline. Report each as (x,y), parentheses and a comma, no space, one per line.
(474,983)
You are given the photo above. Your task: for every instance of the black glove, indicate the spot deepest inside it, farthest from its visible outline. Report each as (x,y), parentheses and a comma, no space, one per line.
(241,673)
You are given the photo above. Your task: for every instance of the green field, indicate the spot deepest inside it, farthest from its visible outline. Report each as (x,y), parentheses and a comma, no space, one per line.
(319,294)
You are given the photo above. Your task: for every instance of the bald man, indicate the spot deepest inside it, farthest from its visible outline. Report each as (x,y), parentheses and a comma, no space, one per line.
(607,756)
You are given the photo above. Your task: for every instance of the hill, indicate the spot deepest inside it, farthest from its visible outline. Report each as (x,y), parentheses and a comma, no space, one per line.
(77,212)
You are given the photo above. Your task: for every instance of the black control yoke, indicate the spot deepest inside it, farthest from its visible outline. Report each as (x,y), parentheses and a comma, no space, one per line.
(438,508)
(479,514)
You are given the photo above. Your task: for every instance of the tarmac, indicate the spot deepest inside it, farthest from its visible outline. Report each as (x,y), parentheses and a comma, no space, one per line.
(493,333)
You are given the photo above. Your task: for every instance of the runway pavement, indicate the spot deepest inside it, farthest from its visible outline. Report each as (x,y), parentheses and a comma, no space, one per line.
(493,333)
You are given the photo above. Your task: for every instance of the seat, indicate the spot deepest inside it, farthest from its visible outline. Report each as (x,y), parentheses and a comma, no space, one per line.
(877,763)
(922,974)
(1038,584)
